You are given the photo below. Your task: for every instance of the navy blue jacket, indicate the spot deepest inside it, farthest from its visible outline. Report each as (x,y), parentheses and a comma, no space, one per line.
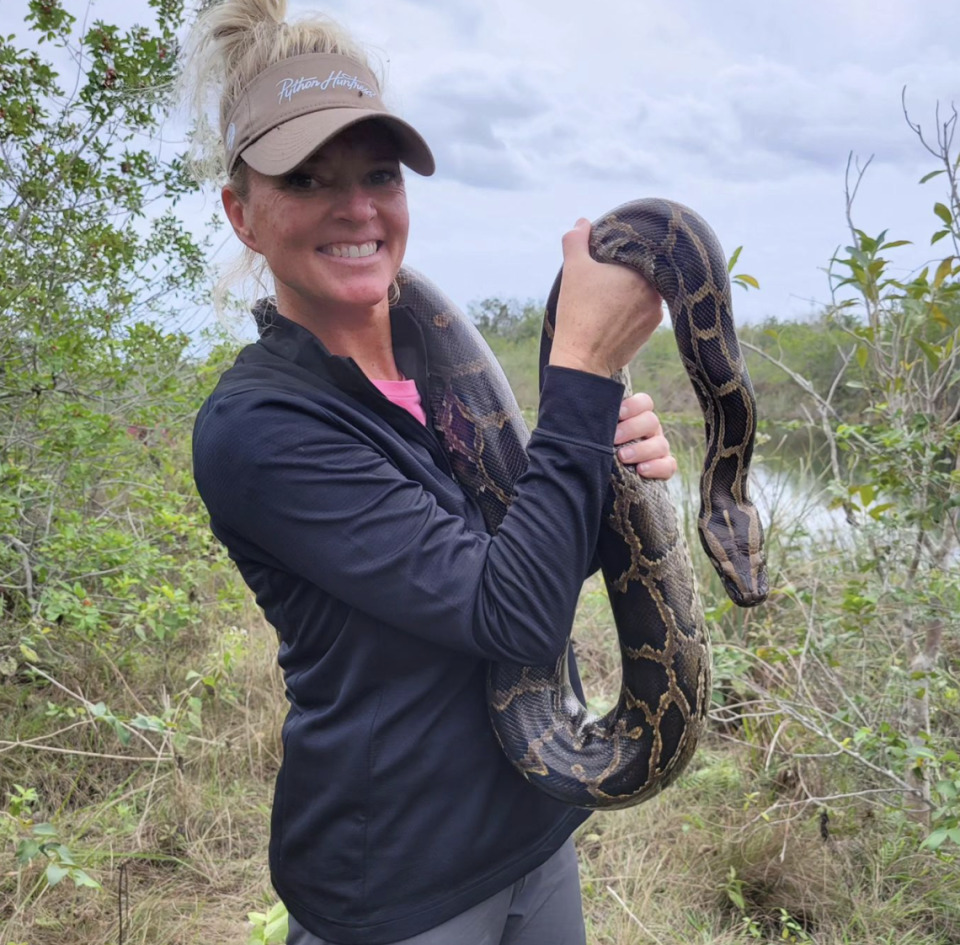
(395,808)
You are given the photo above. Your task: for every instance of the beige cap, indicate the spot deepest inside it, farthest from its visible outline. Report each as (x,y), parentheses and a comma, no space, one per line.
(296,105)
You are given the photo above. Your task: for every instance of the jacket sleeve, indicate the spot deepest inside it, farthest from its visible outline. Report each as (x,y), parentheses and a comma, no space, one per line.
(338,513)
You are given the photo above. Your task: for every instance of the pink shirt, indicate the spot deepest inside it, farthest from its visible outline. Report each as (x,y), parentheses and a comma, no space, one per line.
(404,394)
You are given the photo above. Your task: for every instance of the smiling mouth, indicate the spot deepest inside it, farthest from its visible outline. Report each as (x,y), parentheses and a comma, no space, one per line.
(352,250)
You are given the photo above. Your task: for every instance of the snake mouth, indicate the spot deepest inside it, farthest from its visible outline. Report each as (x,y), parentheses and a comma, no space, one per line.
(745,594)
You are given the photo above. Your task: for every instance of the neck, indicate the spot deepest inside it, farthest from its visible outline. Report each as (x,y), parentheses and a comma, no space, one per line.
(361,333)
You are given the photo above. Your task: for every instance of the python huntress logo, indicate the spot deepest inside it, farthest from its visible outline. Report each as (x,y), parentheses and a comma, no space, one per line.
(336,80)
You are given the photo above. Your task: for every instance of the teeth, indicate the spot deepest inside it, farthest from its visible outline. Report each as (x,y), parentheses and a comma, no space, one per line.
(353,250)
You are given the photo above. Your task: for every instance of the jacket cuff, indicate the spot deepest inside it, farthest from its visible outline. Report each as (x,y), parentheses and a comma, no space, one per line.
(577,405)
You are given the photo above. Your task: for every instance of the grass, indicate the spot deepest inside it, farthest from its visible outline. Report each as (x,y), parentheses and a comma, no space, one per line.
(192,845)
(181,849)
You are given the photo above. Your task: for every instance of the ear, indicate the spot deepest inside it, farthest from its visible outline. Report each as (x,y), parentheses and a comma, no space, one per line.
(237,214)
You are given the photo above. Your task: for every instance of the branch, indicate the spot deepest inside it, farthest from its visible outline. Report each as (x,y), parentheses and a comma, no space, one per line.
(24,551)
(87,754)
(800,380)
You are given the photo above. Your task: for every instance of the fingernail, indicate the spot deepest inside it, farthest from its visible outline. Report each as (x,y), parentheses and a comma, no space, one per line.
(623,411)
(627,454)
(643,467)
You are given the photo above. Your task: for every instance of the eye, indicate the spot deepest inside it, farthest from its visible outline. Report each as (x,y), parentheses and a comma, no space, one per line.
(384,175)
(297,180)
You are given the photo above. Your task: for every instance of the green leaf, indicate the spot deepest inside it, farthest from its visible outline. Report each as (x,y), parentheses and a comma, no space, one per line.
(149,723)
(939,236)
(277,911)
(935,839)
(894,243)
(943,271)
(80,878)
(936,313)
(276,930)
(734,258)
(749,280)
(932,352)
(930,176)
(65,855)
(29,653)
(862,356)
(55,873)
(941,211)
(26,851)
(44,830)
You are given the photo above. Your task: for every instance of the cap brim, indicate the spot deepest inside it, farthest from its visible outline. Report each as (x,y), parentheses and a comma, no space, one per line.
(282,148)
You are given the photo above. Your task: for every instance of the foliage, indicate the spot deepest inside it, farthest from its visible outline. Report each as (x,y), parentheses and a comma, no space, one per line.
(107,566)
(813,348)
(142,699)
(97,509)
(846,664)
(269,928)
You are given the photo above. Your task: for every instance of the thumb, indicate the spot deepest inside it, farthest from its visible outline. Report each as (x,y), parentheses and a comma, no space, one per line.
(576,242)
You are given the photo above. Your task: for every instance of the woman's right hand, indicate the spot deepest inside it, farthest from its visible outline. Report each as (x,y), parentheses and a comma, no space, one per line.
(605,313)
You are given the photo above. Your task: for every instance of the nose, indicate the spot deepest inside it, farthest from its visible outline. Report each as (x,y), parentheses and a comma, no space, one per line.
(355,204)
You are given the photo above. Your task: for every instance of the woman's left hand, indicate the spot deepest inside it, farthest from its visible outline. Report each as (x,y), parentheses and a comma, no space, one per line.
(651,455)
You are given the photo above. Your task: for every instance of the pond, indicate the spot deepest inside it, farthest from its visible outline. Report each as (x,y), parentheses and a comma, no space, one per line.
(789,481)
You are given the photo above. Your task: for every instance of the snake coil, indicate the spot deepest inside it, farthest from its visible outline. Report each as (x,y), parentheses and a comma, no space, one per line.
(642,744)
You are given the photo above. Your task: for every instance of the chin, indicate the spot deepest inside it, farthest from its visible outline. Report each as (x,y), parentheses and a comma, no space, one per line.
(362,299)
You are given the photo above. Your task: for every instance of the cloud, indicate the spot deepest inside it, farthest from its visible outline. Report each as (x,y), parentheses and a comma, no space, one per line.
(464,16)
(469,116)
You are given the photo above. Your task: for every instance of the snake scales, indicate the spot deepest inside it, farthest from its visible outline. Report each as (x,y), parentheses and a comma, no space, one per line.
(642,744)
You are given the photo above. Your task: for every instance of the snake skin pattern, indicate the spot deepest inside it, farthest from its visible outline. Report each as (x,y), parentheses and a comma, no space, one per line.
(643,743)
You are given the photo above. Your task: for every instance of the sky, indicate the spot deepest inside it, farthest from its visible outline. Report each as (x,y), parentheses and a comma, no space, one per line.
(542,111)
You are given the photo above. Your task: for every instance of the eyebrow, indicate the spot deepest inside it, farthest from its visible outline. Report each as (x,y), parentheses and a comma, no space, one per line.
(379,156)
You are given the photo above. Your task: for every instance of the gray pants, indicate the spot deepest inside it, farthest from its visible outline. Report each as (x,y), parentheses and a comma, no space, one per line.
(543,906)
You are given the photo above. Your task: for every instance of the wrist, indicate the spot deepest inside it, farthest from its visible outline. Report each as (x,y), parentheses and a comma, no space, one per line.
(561,358)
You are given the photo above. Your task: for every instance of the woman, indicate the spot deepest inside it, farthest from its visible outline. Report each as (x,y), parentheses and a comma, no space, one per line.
(396,816)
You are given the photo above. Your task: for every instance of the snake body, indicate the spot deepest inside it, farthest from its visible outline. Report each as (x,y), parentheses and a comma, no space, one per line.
(643,743)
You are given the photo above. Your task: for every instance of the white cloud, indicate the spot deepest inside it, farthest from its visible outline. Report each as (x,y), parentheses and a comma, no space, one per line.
(544,110)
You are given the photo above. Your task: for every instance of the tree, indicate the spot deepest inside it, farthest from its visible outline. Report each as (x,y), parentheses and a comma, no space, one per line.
(896,471)
(97,509)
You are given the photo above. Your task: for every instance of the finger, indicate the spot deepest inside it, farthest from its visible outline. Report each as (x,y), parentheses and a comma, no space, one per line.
(636,403)
(658,468)
(644,451)
(576,242)
(639,427)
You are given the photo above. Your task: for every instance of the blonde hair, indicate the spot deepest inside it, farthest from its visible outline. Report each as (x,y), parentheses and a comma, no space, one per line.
(230,44)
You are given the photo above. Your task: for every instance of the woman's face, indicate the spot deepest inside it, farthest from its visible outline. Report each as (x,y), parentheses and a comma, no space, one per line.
(334,230)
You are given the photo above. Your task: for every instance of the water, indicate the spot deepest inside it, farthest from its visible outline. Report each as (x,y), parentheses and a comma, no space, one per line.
(789,480)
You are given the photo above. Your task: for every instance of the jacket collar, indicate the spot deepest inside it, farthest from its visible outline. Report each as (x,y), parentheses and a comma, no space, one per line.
(291,341)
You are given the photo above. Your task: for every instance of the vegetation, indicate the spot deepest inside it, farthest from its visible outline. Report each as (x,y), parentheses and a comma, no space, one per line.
(140,695)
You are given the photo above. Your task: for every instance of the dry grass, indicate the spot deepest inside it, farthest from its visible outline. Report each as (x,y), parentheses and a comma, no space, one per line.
(192,842)
(671,871)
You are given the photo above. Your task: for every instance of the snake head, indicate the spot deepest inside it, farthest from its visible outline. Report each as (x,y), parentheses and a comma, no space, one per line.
(737,555)
(749,592)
